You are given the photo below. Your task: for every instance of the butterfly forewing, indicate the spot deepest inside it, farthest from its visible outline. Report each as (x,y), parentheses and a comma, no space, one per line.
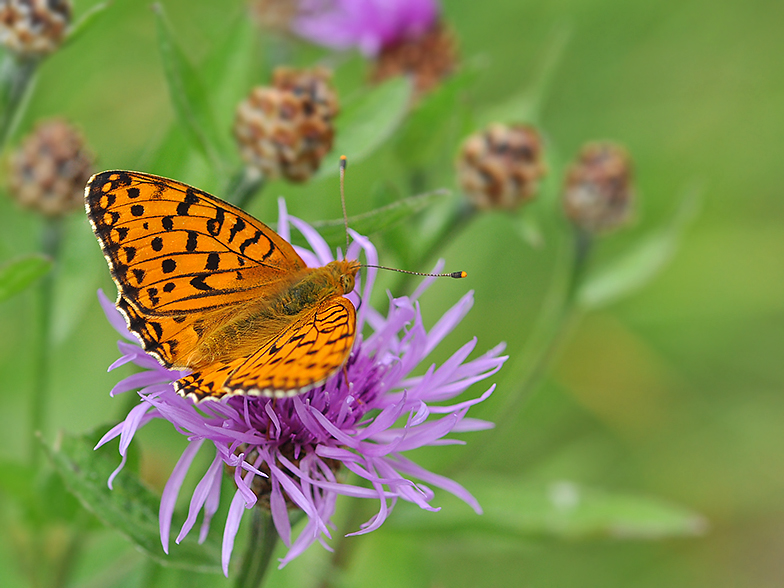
(174,249)
(176,252)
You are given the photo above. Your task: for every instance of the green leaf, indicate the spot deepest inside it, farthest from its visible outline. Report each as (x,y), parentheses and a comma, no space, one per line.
(130,507)
(426,132)
(20,273)
(188,94)
(334,232)
(88,19)
(562,510)
(367,122)
(641,263)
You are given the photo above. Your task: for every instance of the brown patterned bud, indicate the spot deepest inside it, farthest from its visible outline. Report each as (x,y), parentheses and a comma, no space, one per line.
(598,190)
(50,169)
(286,130)
(501,166)
(33,28)
(428,59)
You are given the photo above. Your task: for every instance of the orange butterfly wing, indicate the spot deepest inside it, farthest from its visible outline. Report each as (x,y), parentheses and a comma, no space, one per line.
(177,253)
(301,357)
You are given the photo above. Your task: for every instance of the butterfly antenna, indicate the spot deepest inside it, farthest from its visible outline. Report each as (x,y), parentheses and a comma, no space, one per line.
(343,164)
(455,275)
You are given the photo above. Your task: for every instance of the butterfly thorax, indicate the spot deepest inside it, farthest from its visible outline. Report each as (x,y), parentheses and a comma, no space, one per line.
(255,324)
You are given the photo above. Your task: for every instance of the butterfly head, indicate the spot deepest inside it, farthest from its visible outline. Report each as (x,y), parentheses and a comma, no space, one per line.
(345,273)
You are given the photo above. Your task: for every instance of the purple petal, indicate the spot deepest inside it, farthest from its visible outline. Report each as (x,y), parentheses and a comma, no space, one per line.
(114,317)
(172,490)
(200,495)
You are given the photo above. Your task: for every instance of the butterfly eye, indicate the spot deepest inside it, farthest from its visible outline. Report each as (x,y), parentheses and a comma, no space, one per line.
(347,281)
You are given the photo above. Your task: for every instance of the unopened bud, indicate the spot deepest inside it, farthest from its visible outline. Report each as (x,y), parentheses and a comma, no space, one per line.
(33,28)
(49,170)
(501,166)
(428,58)
(598,191)
(286,130)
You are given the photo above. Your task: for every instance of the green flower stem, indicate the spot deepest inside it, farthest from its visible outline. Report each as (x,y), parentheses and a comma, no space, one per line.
(357,513)
(51,239)
(65,566)
(243,186)
(559,315)
(530,371)
(258,554)
(17,77)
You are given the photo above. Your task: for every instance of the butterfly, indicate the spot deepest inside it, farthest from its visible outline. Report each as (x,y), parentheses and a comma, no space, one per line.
(207,287)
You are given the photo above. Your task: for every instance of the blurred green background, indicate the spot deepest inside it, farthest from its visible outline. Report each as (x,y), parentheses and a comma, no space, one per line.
(673,392)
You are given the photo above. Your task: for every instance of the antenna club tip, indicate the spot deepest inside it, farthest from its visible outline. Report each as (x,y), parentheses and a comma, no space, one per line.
(458,275)
(343,161)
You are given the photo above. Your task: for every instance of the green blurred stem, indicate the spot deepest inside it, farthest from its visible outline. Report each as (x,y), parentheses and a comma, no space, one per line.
(51,239)
(344,548)
(65,566)
(559,315)
(17,77)
(243,186)
(529,371)
(258,554)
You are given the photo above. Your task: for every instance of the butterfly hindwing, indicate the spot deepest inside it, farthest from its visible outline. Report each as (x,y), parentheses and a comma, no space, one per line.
(302,356)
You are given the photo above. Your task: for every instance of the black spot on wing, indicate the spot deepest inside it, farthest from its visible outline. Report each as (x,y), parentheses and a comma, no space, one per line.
(137,210)
(133,192)
(168,223)
(199,284)
(157,244)
(193,241)
(190,199)
(168,266)
(250,241)
(214,225)
(213,259)
(238,226)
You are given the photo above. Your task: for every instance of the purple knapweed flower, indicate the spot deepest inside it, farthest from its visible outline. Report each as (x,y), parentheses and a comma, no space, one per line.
(285,453)
(368,25)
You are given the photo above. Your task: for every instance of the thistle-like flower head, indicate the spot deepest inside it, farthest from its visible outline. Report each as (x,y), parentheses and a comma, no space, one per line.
(294,452)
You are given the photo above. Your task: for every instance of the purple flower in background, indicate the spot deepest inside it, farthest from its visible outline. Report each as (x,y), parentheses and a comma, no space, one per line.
(368,25)
(286,453)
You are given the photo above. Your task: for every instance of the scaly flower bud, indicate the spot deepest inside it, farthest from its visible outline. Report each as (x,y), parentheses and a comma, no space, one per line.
(598,190)
(48,172)
(33,28)
(501,166)
(286,130)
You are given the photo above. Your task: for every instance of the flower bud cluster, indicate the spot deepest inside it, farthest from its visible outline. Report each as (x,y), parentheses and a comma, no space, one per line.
(50,169)
(286,129)
(33,28)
